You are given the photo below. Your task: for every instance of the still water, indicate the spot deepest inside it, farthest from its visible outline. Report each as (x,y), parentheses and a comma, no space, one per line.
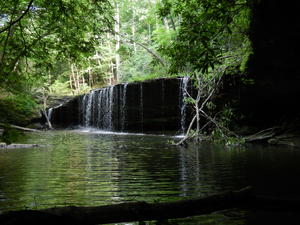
(90,168)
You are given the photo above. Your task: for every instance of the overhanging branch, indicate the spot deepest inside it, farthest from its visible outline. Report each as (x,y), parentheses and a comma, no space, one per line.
(18,19)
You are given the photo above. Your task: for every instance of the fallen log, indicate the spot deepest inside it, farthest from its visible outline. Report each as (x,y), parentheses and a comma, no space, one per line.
(15,146)
(126,212)
(22,128)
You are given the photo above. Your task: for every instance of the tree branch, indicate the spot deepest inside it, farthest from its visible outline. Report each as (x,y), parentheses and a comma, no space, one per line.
(18,19)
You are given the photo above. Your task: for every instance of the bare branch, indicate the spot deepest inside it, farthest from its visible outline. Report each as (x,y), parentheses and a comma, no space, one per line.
(187,132)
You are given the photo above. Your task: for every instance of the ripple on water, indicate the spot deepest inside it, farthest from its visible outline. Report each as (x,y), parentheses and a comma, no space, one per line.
(89,168)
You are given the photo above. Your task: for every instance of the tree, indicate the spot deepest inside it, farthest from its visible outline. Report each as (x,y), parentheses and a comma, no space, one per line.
(34,34)
(209,29)
(211,39)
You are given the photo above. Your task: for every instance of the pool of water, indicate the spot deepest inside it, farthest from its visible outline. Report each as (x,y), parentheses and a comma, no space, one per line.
(90,167)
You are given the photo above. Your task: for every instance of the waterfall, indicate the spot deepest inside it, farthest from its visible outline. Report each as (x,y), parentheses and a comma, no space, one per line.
(123,119)
(111,107)
(137,107)
(88,109)
(99,122)
(49,114)
(107,108)
(97,108)
(51,110)
(83,109)
(183,105)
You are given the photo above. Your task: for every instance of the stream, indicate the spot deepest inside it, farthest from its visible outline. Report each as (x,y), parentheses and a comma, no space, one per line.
(91,168)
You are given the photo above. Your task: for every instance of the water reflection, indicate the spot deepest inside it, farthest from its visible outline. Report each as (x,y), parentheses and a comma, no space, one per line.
(94,168)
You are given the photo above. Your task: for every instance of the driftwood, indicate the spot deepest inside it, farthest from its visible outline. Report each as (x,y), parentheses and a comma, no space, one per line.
(22,128)
(261,135)
(126,212)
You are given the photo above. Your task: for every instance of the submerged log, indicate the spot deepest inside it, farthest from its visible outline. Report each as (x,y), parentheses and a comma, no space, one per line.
(126,212)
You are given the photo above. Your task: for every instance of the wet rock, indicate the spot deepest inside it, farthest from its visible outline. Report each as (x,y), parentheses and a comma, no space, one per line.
(2,145)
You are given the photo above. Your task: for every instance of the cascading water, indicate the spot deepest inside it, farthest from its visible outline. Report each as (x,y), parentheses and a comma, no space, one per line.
(51,110)
(124,107)
(183,105)
(88,110)
(97,108)
(111,106)
(49,114)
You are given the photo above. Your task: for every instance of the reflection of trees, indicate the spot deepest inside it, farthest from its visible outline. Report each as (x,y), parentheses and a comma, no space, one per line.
(90,169)
(147,167)
(208,169)
(151,169)
(70,172)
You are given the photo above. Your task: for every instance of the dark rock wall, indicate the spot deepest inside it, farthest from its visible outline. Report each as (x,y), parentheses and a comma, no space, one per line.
(68,114)
(274,65)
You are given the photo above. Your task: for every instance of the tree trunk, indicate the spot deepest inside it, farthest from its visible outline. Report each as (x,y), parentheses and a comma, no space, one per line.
(77,78)
(133,24)
(73,77)
(118,43)
(111,63)
(173,23)
(166,24)
(126,212)
(71,81)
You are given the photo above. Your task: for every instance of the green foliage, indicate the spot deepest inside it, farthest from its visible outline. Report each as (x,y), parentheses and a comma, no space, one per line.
(10,135)
(226,116)
(218,136)
(212,31)
(17,109)
(164,38)
(34,35)
(140,67)
(59,88)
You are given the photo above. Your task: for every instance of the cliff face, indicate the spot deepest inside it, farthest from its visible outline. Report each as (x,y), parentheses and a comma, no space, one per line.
(274,65)
(152,106)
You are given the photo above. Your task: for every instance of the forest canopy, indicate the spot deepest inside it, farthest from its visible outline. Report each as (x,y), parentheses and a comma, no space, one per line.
(67,47)
(38,35)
